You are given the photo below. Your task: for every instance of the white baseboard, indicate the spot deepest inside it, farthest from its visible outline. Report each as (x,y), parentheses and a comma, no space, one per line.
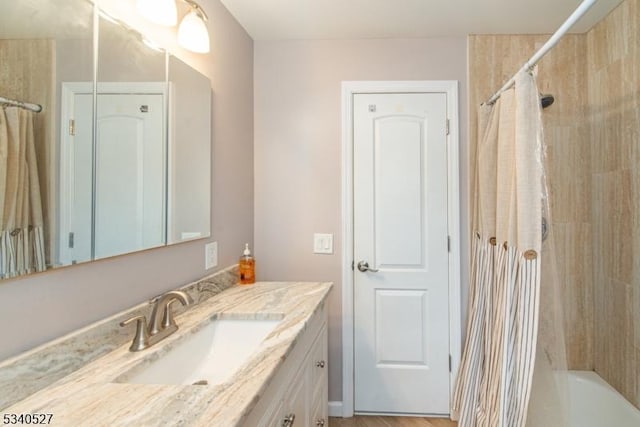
(335,409)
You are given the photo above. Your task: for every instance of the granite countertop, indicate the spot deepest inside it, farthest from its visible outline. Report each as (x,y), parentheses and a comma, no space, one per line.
(26,373)
(90,395)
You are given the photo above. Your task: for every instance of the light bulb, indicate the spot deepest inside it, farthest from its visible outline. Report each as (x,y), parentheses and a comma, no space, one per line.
(193,34)
(163,12)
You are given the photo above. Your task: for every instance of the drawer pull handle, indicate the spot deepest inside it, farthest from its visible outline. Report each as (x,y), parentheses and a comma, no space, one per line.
(288,420)
(320,364)
(320,422)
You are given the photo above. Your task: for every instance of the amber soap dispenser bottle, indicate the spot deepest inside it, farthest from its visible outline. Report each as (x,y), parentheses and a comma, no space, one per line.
(247,267)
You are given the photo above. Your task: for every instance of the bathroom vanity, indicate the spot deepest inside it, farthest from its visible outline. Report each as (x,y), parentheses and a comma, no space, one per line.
(282,380)
(298,394)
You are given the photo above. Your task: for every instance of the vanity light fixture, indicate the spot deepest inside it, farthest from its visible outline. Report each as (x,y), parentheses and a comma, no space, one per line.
(192,32)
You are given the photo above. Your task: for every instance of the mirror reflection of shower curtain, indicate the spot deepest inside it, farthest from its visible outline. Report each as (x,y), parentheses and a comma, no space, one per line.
(21,224)
(494,384)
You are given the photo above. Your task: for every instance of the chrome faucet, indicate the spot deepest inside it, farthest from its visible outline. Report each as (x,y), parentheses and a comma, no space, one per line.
(158,328)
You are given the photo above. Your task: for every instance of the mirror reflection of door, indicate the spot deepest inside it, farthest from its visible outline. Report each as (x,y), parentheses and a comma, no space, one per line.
(76,182)
(129,174)
(129,178)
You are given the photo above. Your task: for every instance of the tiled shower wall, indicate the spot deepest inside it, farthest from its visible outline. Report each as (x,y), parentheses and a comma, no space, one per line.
(492,60)
(613,54)
(593,137)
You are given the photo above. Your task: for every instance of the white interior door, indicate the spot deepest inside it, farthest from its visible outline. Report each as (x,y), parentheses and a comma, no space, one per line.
(129,173)
(76,177)
(130,170)
(401,304)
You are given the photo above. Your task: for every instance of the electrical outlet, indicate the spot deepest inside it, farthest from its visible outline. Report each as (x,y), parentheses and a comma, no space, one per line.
(211,255)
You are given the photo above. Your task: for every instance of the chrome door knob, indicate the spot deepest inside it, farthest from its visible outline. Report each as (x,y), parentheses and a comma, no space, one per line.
(363,266)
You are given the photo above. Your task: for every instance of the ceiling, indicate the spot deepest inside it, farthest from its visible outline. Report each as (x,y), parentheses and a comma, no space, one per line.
(358,19)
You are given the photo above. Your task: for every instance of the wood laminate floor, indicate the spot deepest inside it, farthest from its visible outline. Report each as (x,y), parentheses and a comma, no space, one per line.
(375,421)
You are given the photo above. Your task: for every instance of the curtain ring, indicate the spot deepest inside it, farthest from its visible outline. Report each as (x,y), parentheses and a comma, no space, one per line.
(505,246)
(492,241)
(15,232)
(530,255)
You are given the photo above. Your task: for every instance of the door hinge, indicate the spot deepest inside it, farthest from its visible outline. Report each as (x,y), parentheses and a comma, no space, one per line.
(72,127)
(71,240)
(448,244)
(449,363)
(447,126)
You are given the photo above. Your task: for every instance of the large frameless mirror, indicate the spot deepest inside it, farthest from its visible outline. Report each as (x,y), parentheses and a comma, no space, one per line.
(189,153)
(108,166)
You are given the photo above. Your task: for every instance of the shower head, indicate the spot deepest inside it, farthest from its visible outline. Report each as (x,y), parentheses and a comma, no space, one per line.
(546,100)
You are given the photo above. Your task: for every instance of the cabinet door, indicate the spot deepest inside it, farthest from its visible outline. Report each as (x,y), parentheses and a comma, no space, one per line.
(300,388)
(319,381)
(319,413)
(296,400)
(318,360)
(275,418)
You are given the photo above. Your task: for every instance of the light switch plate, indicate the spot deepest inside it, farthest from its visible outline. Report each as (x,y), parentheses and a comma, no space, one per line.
(211,255)
(322,243)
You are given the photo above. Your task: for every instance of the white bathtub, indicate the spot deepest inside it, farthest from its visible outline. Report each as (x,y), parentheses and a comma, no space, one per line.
(594,403)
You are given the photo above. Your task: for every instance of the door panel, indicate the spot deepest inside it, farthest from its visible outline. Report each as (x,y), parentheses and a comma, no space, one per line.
(399,185)
(401,316)
(130,173)
(119,195)
(394,310)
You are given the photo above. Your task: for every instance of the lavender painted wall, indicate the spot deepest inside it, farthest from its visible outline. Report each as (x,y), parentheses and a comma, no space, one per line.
(298,150)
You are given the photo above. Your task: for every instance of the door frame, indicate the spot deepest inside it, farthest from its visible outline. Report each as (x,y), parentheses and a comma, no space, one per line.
(350,88)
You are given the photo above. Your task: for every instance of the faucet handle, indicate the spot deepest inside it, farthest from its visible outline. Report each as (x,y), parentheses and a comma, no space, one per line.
(157,324)
(141,340)
(167,316)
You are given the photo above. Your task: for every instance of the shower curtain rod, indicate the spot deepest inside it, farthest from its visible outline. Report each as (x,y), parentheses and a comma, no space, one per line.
(36,108)
(550,44)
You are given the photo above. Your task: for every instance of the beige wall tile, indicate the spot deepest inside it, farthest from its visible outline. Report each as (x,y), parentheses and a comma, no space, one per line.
(613,99)
(613,240)
(619,351)
(637,391)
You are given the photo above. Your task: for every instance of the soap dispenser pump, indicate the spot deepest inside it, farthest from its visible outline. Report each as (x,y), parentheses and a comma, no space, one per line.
(247,267)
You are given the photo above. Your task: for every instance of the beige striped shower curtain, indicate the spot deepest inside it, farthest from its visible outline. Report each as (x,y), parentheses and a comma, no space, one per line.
(494,381)
(21,224)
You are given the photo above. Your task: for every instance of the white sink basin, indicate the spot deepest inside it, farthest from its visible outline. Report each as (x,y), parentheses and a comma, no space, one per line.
(211,356)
